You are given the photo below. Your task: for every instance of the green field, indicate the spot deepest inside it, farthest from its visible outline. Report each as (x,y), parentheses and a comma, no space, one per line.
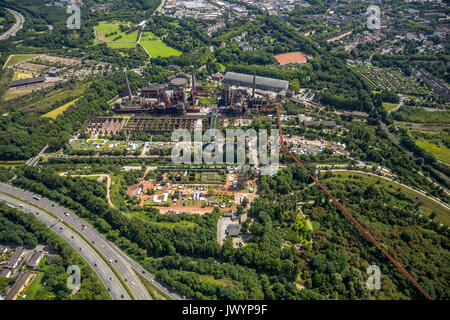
(18,58)
(106,29)
(149,36)
(159,49)
(54,98)
(389,106)
(121,45)
(441,152)
(35,287)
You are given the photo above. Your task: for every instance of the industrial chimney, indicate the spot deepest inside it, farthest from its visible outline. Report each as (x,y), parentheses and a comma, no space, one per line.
(130,94)
(254,83)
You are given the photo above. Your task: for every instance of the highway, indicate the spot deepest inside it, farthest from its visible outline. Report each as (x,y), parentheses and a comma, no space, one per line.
(20,20)
(106,276)
(119,260)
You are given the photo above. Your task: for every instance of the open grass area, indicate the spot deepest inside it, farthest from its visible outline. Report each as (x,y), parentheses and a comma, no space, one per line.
(18,58)
(121,45)
(426,205)
(440,152)
(12,95)
(149,36)
(389,106)
(110,32)
(160,49)
(54,98)
(55,113)
(35,287)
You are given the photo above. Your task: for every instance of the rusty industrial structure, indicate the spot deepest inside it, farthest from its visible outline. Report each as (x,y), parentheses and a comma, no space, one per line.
(173,99)
(161,108)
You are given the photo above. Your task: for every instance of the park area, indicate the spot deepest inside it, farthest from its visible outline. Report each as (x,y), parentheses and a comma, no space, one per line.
(104,145)
(159,49)
(115,32)
(122,35)
(201,193)
(18,58)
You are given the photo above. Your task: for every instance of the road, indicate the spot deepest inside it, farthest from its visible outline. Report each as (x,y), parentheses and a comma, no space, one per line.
(101,244)
(105,274)
(33,161)
(20,20)
(124,265)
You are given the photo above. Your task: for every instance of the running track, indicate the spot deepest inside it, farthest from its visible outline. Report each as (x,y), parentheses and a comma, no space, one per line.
(344,210)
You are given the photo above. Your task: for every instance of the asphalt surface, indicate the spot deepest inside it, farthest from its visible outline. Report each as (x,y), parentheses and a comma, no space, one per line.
(120,261)
(105,274)
(20,20)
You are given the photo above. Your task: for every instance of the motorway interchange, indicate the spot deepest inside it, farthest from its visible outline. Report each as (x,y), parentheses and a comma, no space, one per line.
(123,265)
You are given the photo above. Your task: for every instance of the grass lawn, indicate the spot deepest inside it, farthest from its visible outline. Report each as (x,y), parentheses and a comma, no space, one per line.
(12,95)
(121,45)
(439,152)
(106,28)
(52,99)
(149,36)
(35,287)
(160,49)
(389,106)
(428,206)
(18,58)
(55,113)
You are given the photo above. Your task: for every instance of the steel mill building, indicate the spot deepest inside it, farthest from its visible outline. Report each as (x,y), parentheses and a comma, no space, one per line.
(246,80)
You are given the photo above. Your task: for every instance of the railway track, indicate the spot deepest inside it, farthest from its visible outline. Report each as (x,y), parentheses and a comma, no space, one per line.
(349,215)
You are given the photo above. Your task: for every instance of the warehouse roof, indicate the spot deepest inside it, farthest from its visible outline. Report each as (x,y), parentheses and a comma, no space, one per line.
(259,81)
(27,81)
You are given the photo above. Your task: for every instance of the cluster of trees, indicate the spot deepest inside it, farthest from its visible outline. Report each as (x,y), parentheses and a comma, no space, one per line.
(24,133)
(142,238)
(394,220)
(23,229)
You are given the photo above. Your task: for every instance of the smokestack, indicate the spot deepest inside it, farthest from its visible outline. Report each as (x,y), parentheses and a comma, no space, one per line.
(130,94)
(193,79)
(254,83)
(227,95)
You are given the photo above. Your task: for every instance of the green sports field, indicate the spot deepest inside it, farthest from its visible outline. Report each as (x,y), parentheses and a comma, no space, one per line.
(160,49)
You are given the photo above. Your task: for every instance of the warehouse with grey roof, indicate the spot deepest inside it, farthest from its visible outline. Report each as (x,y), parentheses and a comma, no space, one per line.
(246,80)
